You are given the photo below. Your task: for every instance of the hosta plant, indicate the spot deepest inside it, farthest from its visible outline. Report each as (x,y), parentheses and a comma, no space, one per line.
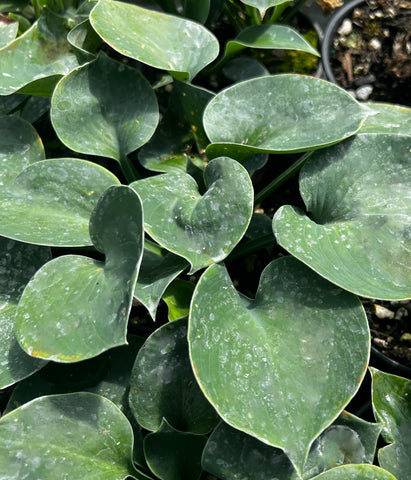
(165,313)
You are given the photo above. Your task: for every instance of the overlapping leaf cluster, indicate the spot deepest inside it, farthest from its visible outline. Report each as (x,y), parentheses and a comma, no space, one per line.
(145,177)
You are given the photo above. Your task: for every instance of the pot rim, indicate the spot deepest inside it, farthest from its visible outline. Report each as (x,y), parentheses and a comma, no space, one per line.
(329,34)
(399,368)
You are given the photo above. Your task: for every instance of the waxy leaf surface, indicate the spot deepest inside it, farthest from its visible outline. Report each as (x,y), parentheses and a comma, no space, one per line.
(391,399)
(78,435)
(280,113)
(75,307)
(389,119)
(107,375)
(36,59)
(230,453)
(27,107)
(18,263)
(157,271)
(357,235)
(269,37)
(356,472)
(174,455)
(20,146)
(84,41)
(283,366)
(163,384)
(202,229)
(8,30)
(104,108)
(179,46)
(243,68)
(50,202)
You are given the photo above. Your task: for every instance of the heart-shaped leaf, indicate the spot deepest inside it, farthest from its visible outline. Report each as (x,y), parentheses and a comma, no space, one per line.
(276,114)
(50,202)
(263,5)
(79,435)
(269,37)
(174,455)
(391,398)
(18,263)
(181,46)
(202,229)
(37,59)
(301,347)
(104,108)
(357,235)
(158,269)
(8,30)
(91,300)
(390,119)
(163,384)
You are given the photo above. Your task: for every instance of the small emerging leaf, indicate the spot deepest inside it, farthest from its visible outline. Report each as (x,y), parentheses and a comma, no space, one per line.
(178,297)
(263,5)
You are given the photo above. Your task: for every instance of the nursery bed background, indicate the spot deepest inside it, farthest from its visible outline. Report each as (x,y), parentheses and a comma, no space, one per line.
(199,243)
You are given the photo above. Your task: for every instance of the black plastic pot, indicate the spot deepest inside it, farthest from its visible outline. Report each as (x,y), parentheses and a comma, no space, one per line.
(330,32)
(386,364)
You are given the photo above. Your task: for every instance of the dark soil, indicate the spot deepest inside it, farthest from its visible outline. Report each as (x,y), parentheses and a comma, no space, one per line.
(372,51)
(391,328)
